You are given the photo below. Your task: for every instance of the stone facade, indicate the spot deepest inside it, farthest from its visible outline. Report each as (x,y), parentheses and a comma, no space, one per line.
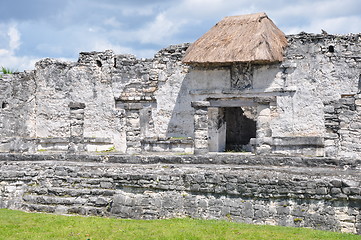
(118,95)
(134,105)
(75,137)
(321,193)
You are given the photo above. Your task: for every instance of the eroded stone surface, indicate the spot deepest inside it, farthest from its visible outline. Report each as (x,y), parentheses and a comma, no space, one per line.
(320,197)
(129,101)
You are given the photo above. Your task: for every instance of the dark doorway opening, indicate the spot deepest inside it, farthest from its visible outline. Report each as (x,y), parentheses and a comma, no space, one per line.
(240,130)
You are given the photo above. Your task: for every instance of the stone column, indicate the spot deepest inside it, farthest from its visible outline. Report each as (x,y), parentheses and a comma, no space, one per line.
(133,127)
(332,126)
(263,133)
(216,129)
(76,141)
(200,127)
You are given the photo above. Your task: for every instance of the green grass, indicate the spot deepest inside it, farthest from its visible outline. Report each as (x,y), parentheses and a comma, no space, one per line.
(20,225)
(7,70)
(111,149)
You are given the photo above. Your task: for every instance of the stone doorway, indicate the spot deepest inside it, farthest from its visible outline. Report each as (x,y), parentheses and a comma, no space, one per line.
(237,125)
(240,128)
(231,128)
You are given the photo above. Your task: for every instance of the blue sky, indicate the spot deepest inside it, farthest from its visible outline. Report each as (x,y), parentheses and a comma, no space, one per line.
(34,29)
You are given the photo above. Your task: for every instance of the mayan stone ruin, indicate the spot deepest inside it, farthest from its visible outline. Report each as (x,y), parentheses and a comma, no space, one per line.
(246,123)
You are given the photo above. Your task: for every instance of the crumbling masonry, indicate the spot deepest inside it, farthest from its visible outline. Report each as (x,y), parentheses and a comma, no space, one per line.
(75,136)
(308,104)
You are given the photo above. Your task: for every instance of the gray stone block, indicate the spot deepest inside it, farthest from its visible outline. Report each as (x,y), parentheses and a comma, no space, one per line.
(76,105)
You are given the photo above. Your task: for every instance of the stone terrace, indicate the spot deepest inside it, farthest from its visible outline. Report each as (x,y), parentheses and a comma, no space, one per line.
(322,193)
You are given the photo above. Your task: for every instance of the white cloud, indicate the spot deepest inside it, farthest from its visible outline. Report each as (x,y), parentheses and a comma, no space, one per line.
(14,38)
(11,41)
(103,44)
(334,16)
(17,63)
(139,27)
(175,19)
(158,31)
(338,25)
(203,7)
(52,49)
(140,11)
(113,22)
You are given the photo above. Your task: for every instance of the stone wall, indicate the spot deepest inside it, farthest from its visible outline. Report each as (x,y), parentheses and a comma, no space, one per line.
(124,99)
(321,193)
(17,115)
(133,105)
(320,68)
(343,122)
(288,97)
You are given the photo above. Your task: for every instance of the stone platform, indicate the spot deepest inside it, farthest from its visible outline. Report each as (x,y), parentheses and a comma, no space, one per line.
(322,193)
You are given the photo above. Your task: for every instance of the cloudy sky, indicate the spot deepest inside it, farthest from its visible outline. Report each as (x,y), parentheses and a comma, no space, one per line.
(34,29)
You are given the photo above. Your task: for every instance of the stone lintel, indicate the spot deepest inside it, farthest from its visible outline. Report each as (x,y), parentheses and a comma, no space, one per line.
(200,104)
(248,93)
(133,106)
(245,102)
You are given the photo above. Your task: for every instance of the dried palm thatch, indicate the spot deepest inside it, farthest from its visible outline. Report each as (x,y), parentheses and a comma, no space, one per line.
(248,38)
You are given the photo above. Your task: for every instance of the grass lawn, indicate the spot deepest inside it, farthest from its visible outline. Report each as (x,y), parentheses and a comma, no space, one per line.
(20,225)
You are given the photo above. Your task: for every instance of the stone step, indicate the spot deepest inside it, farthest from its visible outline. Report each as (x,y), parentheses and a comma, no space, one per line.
(81,210)
(39,208)
(87,200)
(51,200)
(72,192)
(79,182)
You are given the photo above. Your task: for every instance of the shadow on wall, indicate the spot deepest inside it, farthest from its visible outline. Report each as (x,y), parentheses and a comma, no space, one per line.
(181,121)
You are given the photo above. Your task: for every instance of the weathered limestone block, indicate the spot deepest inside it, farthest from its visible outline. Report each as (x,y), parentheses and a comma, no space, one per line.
(200,127)
(200,122)
(323,197)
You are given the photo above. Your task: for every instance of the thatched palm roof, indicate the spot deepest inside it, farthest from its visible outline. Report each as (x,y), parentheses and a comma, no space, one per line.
(248,38)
